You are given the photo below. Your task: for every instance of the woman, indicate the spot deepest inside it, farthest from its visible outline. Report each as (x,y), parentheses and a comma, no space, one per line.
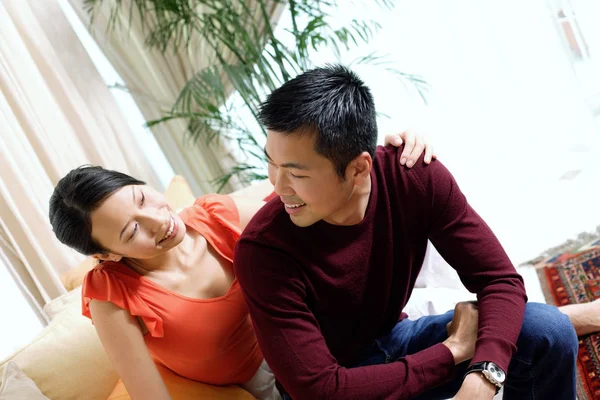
(165,287)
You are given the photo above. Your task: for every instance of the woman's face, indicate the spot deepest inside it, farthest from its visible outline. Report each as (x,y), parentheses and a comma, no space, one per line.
(136,222)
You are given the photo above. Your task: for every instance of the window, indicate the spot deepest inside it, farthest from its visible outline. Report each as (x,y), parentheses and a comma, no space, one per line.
(131,112)
(577,23)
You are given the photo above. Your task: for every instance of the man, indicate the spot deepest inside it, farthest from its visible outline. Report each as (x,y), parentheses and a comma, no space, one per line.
(328,266)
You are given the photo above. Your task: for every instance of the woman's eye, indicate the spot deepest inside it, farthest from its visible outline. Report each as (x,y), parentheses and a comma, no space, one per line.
(135,229)
(143,199)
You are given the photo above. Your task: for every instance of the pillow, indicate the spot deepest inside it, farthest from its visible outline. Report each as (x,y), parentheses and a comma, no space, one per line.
(74,277)
(66,360)
(261,190)
(435,301)
(181,388)
(17,386)
(63,302)
(178,194)
(436,272)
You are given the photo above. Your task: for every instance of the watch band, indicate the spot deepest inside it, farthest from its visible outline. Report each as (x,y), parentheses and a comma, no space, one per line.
(490,371)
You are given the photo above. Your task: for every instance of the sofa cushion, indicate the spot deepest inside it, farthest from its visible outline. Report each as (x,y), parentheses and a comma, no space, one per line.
(178,194)
(63,302)
(17,386)
(436,272)
(73,278)
(261,190)
(66,360)
(181,388)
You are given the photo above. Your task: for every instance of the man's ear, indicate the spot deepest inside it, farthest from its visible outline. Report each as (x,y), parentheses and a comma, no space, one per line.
(107,257)
(360,167)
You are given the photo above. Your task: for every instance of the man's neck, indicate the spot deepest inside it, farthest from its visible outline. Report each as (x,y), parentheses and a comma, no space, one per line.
(356,206)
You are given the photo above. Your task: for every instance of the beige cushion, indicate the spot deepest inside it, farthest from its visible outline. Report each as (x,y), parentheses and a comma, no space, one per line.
(257,191)
(63,302)
(178,194)
(67,360)
(17,386)
(74,277)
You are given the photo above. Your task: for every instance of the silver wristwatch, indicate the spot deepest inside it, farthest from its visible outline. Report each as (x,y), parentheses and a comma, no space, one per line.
(491,371)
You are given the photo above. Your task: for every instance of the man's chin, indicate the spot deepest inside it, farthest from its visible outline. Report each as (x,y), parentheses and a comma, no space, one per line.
(301,222)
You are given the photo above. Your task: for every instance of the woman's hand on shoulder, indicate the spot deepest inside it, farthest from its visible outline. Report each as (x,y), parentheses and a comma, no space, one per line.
(414,145)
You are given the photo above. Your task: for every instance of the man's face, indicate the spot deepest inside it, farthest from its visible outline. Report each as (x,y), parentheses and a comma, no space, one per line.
(307,182)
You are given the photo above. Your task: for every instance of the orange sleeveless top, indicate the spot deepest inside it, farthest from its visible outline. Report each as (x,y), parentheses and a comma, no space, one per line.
(207,340)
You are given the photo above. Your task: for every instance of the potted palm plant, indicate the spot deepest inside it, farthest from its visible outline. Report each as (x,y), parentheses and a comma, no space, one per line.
(248,61)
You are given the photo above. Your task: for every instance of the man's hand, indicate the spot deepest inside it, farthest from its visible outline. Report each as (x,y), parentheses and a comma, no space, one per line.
(414,145)
(475,386)
(462,332)
(462,335)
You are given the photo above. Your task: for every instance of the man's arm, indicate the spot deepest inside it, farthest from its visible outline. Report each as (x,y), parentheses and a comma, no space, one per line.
(296,351)
(468,244)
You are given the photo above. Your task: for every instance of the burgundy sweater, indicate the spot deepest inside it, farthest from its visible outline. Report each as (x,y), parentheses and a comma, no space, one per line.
(321,294)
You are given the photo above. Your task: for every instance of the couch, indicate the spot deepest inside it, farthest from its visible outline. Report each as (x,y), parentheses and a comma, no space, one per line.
(66,360)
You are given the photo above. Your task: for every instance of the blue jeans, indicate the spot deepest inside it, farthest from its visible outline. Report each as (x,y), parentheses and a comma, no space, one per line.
(542,368)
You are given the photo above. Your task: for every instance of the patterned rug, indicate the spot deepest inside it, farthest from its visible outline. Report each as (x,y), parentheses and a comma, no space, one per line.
(569,278)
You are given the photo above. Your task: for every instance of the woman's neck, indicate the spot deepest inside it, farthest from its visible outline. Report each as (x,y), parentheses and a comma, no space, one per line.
(176,258)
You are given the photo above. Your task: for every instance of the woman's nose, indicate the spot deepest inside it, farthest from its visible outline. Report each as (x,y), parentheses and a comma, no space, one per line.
(153,219)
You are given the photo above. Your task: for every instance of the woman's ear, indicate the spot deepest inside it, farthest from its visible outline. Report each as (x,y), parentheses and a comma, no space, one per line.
(107,257)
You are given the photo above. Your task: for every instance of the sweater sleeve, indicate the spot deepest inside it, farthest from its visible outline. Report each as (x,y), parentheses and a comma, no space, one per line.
(296,351)
(468,245)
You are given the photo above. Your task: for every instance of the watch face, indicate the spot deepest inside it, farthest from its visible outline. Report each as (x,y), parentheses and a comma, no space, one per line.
(496,372)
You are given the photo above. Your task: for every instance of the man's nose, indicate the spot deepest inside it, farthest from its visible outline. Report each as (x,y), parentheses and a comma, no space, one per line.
(281,183)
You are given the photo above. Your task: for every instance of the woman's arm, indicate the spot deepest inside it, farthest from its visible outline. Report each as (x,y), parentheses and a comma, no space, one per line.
(121,336)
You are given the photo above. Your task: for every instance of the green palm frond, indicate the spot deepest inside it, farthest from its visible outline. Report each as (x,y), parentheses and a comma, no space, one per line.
(247,59)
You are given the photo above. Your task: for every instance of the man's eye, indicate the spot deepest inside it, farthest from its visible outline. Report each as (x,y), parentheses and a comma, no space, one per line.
(143,199)
(298,176)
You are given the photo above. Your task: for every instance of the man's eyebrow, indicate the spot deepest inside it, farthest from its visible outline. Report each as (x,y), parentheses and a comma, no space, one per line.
(125,227)
(289,164)
(267,154)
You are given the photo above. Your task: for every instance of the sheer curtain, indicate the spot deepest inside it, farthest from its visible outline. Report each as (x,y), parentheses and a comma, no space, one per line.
(19,307)
(155,80)
(56,113)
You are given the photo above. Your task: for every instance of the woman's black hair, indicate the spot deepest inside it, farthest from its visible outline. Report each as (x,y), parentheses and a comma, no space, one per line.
(75,197)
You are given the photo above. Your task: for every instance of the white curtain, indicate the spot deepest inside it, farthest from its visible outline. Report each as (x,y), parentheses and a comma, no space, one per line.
(56,113)
(155,80)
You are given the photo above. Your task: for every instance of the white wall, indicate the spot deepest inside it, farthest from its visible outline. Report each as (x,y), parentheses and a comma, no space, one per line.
(506,113)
